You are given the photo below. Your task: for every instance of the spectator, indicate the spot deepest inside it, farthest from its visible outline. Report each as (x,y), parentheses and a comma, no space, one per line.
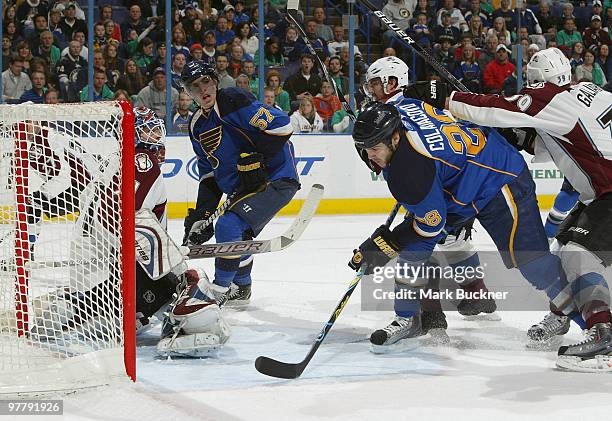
(269,98)
(510,87)
(327,103)
(249,42)
(360,67)
(590,70)
(400,12)
(488,53)
(529,20)
(497,71)
(476,10)
(424,7)
(51,96)
(305,119)
(446,29)
(225,80)
(548,22)
(338,41)
(235,61)
(457,19)
(196,51)
(242,82)
(468,71)
(421,33)
(132,81)
(101,91)
(241,13)
(144,53)
(55,18)
(100,39)
(318,43)
(188,22)
(7,52)
(209,52)
(27,12)
(23,51)
(79,37)
(179,42)
(113,62)
(594,35)
(46,50)
(335,71)
(69,65)
(120,94)
(597,8)
(11,32)
(293,46)
(153,95)
(569,35)
(341,122)
(180,120)
(577,55)
(36,94)
(500,31)
(62,4)
(134,22)
(281,97)
(507,14)
(567,13)
(303,83)
(99,62)
(531,50)
(178,64)
(389,52)
(158,61)
(106,16)
(273,56)
(444,54)
(323,31)
(70,24)
(248,68)
(223,35)
(40,25)
(603,59)
(477,31)
(466,39)
(14,80)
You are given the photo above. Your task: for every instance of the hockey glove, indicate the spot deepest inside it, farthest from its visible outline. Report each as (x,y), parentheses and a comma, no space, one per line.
(433,92)
(194,231)
(252,174)
(378,250)
(523,139)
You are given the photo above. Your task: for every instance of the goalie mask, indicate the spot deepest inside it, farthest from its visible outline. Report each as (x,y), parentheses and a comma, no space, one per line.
(150,132)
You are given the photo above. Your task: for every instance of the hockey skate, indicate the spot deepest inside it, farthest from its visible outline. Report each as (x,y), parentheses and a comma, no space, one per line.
(194,325)
(593,355)
(434,324)
(238,296)
(549,332)
(399,335)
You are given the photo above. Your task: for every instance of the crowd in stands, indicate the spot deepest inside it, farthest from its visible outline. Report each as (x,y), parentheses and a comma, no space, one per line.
(45,54)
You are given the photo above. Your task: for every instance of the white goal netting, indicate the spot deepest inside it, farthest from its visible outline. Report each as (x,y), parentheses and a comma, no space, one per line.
(62,244)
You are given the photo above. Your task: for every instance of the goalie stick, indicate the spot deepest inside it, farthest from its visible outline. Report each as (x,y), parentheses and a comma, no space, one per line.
(275,368)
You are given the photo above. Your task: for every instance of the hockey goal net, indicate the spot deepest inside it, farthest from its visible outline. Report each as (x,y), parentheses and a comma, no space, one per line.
(67,316)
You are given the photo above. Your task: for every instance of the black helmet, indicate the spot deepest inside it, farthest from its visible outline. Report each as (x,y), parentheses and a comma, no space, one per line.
(375,124)
(195,70)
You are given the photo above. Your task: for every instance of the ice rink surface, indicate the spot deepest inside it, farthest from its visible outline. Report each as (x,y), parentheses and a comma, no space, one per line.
(486,373)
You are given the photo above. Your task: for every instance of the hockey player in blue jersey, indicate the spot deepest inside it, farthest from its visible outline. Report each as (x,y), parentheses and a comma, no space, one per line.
(243,148)
(445,173)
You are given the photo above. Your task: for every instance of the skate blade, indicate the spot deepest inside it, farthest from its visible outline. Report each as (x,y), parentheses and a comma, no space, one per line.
(438,336)
(402,345)
(483,317)
(551,344)
(599,364)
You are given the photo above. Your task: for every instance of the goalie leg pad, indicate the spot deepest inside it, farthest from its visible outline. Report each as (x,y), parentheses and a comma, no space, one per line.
(153,295)
(589,226)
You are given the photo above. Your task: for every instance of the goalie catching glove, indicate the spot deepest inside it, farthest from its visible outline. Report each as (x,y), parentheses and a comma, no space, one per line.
(378,250)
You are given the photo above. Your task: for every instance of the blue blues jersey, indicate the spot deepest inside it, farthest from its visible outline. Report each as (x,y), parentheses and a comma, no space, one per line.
(237,124)
(445,171)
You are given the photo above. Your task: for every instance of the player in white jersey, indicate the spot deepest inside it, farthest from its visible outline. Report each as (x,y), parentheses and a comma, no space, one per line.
(573,126)
(386,80)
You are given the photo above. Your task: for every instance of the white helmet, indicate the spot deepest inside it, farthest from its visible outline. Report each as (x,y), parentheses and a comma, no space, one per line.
(549,65)
(387,67)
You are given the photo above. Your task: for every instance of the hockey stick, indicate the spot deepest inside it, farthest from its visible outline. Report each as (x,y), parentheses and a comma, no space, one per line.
(275,368)
(422,52)
(292,13)
(290,236)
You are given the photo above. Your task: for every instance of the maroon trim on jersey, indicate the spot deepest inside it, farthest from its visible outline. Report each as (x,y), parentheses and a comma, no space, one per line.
(541,96)
(485,101)
(159,210)
(589,159)
(145,180)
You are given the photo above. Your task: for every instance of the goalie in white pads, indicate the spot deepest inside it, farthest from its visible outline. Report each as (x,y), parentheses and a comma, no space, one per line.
(572,125)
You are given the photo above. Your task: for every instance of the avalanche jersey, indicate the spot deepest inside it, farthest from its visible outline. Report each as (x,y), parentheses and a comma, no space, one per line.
(574,124)
(149,184)
(237,124)
(445,171)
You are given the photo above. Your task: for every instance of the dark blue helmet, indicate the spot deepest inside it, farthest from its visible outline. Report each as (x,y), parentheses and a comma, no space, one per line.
(195,70)
(375,124)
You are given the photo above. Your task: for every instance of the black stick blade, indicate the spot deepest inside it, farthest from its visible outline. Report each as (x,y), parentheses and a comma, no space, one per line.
(278,369)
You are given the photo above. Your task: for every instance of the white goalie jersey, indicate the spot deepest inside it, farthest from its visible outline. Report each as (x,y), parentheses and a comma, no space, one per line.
(574,124)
